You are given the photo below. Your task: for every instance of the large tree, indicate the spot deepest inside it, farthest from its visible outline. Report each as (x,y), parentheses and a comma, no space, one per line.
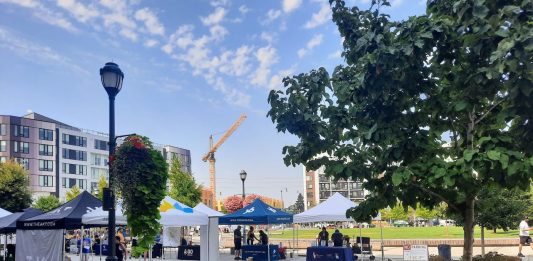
(14,190)
(233,203)
(430,109)
(47,203)
(183,187)
(299,205)
(501,208)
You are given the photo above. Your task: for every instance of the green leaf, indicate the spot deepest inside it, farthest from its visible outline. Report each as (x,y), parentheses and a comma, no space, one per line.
(504,160)
(468,154)
(397,178)
(460,105)
(483,140)
(513,168)
(480,11)
(493,154)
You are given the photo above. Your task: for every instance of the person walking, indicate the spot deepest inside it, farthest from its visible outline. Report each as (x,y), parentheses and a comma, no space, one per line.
(237,241)
(251,236)
(323,237)
(525,239)
(337,238)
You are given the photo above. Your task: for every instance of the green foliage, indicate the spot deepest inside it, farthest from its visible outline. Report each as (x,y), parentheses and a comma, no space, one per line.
(300,204)
(47,203)
(72,193)
(501,208)
(397,212)
(140,176)
(427,110)
(183,187)
(102,183)
(14,192)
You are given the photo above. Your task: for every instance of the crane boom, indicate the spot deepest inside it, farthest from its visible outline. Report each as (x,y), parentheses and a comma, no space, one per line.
(224,137)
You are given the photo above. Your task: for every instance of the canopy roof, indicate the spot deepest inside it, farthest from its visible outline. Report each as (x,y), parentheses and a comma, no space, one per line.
(333,209)
(175,214)
(67,216)
(207,210)
(256,213)
(99,216)
(8,224)
(4,213)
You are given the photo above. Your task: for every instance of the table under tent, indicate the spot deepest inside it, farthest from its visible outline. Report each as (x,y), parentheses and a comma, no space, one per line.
(42,237)
(334,210)
(174,214)
(8,225)
(258,213)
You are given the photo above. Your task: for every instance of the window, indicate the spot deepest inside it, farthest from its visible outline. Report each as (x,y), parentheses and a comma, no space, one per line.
(21,147)
(46,165)
(74,140)
(99,159)
(308,178)
(74,169)
(74,154)
(3,159)
(309,186)
(100,145)
(21,131)
(96,173)
(68,183)
(46,181)
(46,134)
(94,187)
(3,129)
(82,183)
(3,145)
(46,150)
(24,162)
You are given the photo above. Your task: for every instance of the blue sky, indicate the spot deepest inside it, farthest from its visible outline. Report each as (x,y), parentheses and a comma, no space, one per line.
(191,68)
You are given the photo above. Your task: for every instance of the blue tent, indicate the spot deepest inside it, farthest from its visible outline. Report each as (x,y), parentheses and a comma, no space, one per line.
(256,213)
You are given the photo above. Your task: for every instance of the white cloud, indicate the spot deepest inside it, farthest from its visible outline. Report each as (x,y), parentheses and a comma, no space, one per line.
(150,43)
(266,56)
(215,17)
(319,18)
(129,34)
(45,14)
(268,37)
(314,42)
(335,55)
(395,3)
(218,32)
(243,9)
(80,11)
(271,15)
(236,63)
(291,5)
(35,52)
(151,22)
(277,79)
(216,3)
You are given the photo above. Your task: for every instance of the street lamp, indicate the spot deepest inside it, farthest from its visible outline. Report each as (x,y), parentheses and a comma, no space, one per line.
(111,77)
(243,175)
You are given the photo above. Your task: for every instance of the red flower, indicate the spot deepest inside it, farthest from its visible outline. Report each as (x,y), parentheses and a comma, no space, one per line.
(111,158)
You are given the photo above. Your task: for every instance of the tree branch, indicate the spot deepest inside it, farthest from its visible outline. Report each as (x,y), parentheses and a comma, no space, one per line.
(487,112)
(454,134)
(453,206)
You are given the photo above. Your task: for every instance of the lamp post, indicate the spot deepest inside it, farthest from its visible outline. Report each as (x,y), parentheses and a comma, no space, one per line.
(112,78)
(243,175)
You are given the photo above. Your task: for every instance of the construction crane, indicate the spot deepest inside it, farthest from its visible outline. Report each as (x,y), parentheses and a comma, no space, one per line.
(210,155)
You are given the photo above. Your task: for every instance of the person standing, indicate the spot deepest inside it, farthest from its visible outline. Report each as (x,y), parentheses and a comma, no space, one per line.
(263,237)
(525,239)
(237,241)
(337,238)
(323,237)
(251,236)
(85,248)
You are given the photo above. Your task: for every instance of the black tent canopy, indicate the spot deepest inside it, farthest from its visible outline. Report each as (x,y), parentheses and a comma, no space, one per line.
(66,216)
(8,224)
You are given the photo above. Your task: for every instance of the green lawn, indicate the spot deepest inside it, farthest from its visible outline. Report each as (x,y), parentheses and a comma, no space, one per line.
(400,233)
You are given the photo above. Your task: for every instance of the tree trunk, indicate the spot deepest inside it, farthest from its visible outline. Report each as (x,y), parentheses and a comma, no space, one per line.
(482,241)
(468,229)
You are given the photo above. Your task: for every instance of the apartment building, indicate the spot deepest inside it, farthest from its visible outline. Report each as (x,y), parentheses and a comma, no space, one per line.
(318,188)
(58,156)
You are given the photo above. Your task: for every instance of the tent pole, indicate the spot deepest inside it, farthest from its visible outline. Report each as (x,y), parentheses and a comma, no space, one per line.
(361,241)
(81,242)
(382,250)
(63,254)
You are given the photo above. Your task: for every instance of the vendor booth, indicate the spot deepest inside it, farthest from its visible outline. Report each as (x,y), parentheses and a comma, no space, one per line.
(4,213)
(42,237)
(332,210)
(258,213)
(100,217)
(8,225)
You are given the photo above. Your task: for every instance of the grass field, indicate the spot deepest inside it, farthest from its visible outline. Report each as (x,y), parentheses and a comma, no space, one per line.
(399,233)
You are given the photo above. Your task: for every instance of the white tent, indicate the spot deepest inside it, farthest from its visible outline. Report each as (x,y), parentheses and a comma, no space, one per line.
(177,214)
(207,210)
(4,213)
(100,217)
(333,209)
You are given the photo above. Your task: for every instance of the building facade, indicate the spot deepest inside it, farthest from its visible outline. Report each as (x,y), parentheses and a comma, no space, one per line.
(58,156)
(318,188)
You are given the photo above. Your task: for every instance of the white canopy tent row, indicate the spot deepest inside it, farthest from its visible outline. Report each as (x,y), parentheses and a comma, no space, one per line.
(173,214)
(332,210)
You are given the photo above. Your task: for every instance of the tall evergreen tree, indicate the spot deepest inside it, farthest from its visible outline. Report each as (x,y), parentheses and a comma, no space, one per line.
(300,204)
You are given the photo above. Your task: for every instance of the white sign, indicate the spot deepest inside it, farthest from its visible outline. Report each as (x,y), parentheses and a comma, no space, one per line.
(415,252)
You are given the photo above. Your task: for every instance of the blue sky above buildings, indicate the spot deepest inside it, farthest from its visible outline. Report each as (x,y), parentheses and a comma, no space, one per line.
(191,68)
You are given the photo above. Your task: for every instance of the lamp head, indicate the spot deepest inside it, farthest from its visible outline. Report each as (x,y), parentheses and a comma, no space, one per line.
(112,78)
(243,175)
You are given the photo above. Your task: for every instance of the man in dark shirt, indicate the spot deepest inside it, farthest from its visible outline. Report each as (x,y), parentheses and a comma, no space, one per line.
(337,238)
(237,240)
(323,237)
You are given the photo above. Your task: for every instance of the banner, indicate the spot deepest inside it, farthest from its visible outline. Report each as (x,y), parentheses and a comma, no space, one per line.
(39,245)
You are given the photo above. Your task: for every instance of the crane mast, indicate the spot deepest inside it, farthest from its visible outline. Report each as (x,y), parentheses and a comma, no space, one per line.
(210,155)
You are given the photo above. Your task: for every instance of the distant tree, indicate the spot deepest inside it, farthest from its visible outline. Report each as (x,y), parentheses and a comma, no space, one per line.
(398,212)
(300,204)
(250,198)
(499,208)
(72,193)
(183,187)
(233,203)
(47,203)
(14,192)
(102,183)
